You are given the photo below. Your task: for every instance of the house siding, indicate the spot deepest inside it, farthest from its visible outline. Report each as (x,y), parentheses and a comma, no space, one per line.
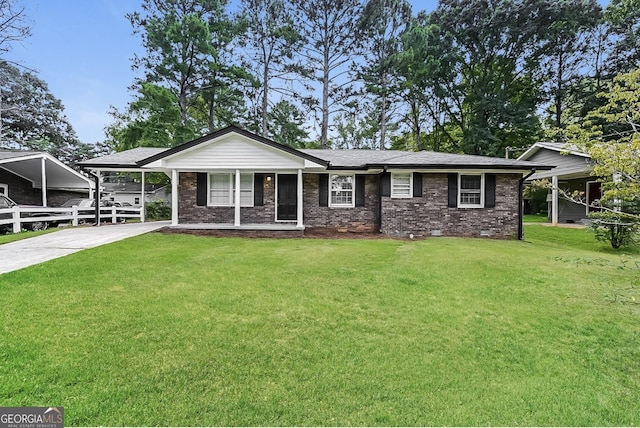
(564,164)
(430,215)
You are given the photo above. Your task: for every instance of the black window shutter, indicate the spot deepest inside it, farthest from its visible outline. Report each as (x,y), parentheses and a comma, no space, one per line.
(258,190)
(360,180)
(323,190)
(453,190)
(417,185)
(385,184)
(489,190)
(201,188)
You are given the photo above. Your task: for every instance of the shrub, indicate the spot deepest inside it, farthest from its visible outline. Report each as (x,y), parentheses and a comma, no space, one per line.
(158,210)
(617,228)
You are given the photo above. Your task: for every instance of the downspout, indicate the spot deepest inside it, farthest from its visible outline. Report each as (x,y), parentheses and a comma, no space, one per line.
(521,204)
(379,219)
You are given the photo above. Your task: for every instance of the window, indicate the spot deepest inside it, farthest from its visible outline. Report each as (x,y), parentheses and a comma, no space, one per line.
(136,201)
(401,184)
(470,191)
(222,189)
(341,187)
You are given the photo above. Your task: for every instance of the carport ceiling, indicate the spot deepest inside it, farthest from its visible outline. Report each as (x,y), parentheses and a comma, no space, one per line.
(58,175)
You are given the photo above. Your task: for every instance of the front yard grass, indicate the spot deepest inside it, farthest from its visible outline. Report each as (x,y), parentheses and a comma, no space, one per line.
(183,330)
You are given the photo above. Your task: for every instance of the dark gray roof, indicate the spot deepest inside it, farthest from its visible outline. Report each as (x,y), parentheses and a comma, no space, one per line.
(354,158)
(424,159)
(128,158)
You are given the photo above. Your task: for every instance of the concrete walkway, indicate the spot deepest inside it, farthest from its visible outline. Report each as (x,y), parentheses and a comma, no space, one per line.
(27,252)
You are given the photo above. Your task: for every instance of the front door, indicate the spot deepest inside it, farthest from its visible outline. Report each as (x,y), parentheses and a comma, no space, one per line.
(594,193)
(287,197)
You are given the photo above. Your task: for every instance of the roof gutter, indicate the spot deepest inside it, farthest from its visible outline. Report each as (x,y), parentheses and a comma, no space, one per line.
(521,204)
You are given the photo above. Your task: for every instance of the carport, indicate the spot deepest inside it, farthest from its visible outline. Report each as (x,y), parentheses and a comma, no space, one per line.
(43,171)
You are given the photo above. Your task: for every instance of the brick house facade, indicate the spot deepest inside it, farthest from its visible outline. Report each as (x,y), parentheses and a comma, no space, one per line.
(236,181)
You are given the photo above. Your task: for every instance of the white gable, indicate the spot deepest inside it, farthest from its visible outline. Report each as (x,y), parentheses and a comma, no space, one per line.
(232,151)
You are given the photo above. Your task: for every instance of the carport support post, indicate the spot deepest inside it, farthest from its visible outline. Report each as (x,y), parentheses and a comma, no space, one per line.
(43,169)
(174,197)
(96,198)
(554,200)
(142,199)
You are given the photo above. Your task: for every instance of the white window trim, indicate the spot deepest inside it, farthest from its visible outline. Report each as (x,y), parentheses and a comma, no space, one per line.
(353,192)
(5,189)
(395,195)
(232,183)
(481,204)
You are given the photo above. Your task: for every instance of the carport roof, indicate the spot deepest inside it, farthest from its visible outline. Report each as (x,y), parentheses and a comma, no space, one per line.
(126,159)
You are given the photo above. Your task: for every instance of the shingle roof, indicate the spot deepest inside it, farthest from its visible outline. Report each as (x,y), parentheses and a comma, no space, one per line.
(127,158)
(333,159)
(423,159)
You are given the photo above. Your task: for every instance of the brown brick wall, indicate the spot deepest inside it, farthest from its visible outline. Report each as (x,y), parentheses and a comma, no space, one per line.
(430,214)
(357,219)
(424,216)
(190,212)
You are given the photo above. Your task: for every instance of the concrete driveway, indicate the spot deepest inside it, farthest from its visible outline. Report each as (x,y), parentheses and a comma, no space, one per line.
(27,252)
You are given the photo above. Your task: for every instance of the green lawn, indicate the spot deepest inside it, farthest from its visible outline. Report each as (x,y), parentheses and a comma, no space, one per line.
(183,330)
(536,218)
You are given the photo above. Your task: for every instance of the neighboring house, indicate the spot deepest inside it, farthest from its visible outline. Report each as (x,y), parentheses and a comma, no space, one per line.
(235,180)
(131,192)
(572,173)
(37,178)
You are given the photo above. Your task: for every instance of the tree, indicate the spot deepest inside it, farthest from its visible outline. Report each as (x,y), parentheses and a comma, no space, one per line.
(476,59)
(13,24)
(271,40)
(33,118)
(188,44)
(610,134)
(623,17)
(329,31)
(569,40)
(286,124)
(153,119)
(381,24)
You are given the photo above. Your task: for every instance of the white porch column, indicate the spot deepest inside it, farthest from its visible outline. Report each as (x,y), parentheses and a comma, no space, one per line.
(98,197)
(43,169)
(174,197)
(142,200)
(236,203)
(554,200)
(300,207)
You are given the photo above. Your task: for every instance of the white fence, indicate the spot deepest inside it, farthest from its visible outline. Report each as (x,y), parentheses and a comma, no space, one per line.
(25,217)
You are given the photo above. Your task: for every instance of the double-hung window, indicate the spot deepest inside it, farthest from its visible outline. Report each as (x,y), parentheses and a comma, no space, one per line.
(401,184)
(470,194)
(342,190)
(222,189)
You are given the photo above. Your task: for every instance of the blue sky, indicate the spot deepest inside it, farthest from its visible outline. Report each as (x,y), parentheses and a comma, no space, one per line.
(82,49)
